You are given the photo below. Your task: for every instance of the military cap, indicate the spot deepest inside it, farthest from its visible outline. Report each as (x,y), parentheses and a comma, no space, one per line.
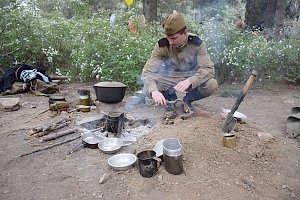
(174,23)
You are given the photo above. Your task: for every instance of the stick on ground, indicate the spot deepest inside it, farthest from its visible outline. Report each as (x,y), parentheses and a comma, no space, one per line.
(51,146)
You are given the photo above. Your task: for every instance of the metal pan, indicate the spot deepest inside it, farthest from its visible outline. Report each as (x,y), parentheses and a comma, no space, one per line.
(111,145)
(89,140)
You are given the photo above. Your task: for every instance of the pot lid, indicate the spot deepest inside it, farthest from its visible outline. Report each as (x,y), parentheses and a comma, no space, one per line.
(56,98)
(110,84)
(158,148)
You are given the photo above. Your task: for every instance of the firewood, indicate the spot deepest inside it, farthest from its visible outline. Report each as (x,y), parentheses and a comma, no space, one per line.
(47,128)
(57,135)
(50,129)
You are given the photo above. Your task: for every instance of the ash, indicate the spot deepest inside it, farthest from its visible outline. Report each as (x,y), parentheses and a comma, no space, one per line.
(138,122)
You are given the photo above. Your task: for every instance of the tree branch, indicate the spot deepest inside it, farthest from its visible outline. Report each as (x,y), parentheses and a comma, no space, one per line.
(9,53)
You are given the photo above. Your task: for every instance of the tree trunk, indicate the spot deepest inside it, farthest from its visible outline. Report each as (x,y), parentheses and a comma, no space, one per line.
(269,14)
(298,24)
(279,19)
(254,12)
(150,10)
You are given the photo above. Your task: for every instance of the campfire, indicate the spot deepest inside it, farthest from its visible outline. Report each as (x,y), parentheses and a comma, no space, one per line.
(116,124)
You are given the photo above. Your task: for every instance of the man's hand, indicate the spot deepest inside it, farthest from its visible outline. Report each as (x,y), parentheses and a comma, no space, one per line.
(158,98)
(182,86)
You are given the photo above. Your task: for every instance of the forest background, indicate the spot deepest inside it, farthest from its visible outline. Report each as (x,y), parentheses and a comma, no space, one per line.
(77,38)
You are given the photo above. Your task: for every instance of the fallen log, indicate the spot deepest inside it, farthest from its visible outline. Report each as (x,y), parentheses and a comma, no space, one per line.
(51,146)
(57,135)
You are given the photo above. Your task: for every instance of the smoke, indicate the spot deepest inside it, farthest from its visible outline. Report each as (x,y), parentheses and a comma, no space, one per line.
(214,20)
(210,9)
(134,101)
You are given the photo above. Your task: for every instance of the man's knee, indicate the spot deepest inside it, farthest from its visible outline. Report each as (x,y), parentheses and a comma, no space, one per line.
(209,87)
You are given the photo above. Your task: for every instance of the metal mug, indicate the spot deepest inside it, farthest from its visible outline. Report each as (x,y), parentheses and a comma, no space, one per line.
(148,163)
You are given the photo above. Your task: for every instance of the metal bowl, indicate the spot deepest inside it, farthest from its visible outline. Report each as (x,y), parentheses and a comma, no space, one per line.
(110,145)
(122,161)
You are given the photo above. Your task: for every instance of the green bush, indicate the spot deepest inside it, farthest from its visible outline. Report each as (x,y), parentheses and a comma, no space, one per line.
(274,60)
(236,53)
(113,53)
(15,31)
(88,49)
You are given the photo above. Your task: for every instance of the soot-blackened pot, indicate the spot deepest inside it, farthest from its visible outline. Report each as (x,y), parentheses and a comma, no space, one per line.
(110,92)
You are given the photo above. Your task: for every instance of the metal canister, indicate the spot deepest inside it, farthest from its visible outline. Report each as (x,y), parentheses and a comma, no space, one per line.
(229,140)
(172,155)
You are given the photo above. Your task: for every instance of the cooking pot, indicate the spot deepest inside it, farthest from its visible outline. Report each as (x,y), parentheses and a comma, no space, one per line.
(110,92)
(89,140)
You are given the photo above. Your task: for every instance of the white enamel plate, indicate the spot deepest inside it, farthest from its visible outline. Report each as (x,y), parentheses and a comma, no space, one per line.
(236,114)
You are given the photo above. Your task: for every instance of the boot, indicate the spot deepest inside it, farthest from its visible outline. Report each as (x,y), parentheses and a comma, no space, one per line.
(192,95)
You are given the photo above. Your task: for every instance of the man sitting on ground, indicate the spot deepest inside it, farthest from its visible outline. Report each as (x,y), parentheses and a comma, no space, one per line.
(180,62)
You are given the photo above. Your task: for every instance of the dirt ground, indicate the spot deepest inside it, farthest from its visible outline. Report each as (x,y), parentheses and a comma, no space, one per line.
(264,164)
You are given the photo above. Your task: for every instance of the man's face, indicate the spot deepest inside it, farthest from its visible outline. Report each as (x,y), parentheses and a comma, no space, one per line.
(177,39)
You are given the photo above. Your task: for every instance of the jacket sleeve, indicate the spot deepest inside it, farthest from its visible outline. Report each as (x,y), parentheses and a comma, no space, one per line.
(151,69)
(206,67)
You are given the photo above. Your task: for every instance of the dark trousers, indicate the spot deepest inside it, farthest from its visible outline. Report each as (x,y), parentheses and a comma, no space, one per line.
(170,94)
(192,95)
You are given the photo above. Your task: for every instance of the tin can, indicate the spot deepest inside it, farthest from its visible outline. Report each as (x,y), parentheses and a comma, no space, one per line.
(84,100)
(229,140)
